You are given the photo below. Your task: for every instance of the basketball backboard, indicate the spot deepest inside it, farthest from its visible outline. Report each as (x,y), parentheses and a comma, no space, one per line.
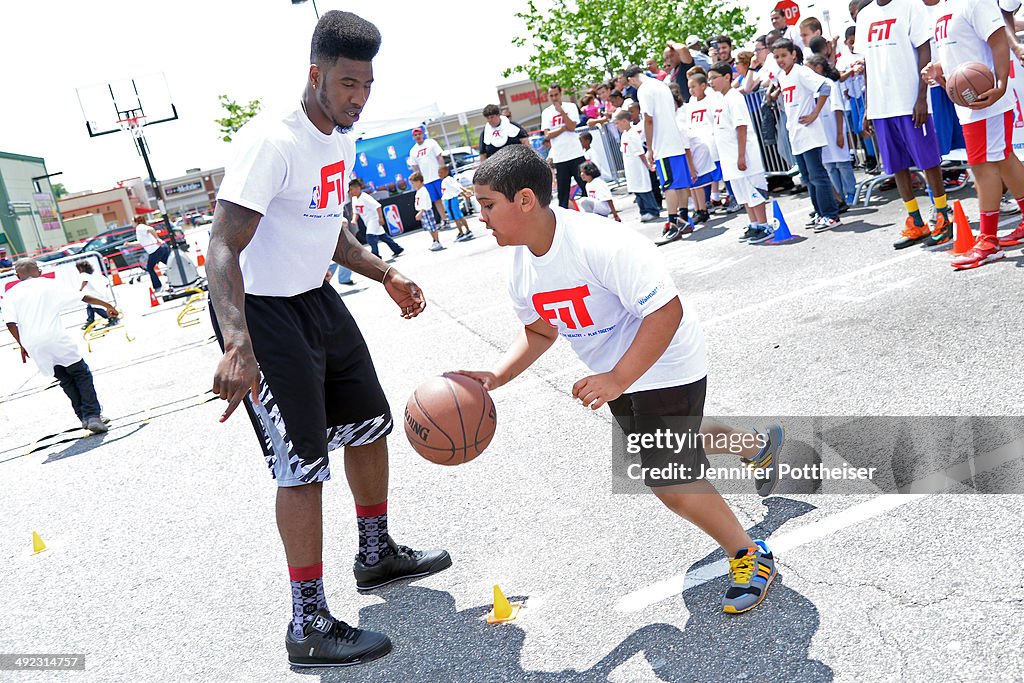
(105,104)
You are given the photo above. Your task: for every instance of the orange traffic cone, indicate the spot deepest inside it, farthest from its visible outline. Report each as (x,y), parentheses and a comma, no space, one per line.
(963,238)
(116,279)
(156,269)
(153,301)
(200,260)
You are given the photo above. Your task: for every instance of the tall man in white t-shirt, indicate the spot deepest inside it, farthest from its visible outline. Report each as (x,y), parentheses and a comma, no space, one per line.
(427,158)
(666,147)
(893,36)
(156,250)
(292,351)
(559,120)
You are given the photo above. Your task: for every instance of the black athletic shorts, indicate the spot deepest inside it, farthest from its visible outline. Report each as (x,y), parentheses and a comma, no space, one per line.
(669,419)
(318,387)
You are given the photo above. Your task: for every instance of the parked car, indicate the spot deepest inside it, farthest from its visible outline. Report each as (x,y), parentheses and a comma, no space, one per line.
(111,244)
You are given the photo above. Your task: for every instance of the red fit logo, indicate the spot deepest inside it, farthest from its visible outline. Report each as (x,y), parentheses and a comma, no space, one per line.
(331,179)
(880,30)
(573,304)
(718,116)
(942,27)
(421,152)
(557,120)
(787,94)
(697,116)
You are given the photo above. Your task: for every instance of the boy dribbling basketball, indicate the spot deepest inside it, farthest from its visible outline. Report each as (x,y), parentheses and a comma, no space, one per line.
(608,292)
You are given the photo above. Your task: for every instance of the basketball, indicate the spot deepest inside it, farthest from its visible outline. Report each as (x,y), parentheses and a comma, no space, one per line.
(968,82)
(450,420)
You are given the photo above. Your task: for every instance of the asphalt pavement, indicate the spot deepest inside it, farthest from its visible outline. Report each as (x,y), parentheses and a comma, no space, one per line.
(164,563)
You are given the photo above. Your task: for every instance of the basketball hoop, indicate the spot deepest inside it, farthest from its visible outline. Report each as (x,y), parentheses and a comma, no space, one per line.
(133,124)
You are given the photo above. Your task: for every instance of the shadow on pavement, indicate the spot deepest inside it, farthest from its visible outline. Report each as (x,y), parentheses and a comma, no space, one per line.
(434,642)
(86,444)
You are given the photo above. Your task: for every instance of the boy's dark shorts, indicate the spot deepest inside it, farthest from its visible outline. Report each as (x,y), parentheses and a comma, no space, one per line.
(673,410)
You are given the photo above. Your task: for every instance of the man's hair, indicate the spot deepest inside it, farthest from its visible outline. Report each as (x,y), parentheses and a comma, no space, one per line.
(416,177)
(84,267)
(699,78)
(591,169)
(818,45)
(140,219)
(763,39)
(850,31)
(772,37)
(777,11)
(491,110)
(784,44)
(723,68)
(554,86)
(632,71)
(622,114)
(355,182)
(585,135)
(811,23)
(514,168)
(722,39)
(343,34)
(23,265)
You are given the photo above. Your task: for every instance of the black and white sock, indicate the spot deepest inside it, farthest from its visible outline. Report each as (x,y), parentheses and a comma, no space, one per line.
(307,595)
(373,530)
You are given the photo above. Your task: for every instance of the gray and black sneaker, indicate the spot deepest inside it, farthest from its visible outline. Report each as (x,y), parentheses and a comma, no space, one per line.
(402,563)
(751,231)
(768,461)
(326,641)
(764,233)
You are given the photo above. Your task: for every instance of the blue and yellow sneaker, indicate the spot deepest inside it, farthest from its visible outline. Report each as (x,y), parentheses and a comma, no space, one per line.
(752,571)
(767,461)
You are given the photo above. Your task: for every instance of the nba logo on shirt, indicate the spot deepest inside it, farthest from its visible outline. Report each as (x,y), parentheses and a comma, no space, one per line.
(787,94)
(393,219)
(568,305)
(392,154)
(315,201)
(362,159)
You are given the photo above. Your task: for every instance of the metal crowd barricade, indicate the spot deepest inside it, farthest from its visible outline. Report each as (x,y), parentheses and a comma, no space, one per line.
(775,162)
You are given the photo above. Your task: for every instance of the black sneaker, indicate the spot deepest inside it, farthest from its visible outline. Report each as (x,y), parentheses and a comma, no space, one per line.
(751,231)
(326,641)
(763,235)
(701,218)
(670,233)
(402,563)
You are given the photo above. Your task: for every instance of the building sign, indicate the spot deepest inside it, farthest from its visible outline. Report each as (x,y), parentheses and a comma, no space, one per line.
(47,211)
(183,188)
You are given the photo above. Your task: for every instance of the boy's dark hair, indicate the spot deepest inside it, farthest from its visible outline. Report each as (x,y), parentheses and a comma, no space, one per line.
(616,93)
(827,69)
(772,37)
(491,110)
(811,23)
(343,34)
(416,176)
(818,45)
(850,31)
(84,267)
(632,71)
(763,39)
(554,86)
(724,68)
(585,135)
(355,182)
(677,93)
(784,44)
(514,168)
(699,78)
(722,39)
(591,169)
(623,115)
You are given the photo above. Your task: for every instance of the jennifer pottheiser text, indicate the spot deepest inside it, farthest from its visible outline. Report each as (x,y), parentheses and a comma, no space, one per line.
(812,472)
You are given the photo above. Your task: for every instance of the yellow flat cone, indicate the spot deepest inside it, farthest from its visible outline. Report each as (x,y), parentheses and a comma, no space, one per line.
(37,544)
(503,610)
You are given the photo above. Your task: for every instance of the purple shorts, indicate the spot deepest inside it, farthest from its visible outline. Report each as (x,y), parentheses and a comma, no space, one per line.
(902,145)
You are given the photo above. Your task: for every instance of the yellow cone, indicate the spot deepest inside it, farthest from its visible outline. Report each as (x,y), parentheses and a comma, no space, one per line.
(37,544)
(503,610)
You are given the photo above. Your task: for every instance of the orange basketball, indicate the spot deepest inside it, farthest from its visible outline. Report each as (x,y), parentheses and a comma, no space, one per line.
(968,81)
(450,420)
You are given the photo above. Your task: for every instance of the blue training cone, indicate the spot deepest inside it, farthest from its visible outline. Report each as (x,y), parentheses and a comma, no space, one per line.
(782,232)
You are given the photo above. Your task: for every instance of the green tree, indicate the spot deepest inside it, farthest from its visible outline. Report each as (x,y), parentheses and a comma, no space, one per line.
(59,190)
(577,42)
(237,115)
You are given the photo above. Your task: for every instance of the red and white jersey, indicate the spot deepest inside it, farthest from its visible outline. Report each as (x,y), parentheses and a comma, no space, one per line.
(962,29)
(565,146)
(799,96)
(424,158)
(730,113)
(366,207)
(698,118)
(887,37)
(595,285)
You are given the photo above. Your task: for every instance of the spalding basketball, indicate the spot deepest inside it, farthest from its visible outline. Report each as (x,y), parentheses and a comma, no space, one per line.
(450,420)
(968,82)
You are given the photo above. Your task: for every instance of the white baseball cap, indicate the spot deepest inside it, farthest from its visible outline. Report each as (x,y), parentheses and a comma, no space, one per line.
(693,40)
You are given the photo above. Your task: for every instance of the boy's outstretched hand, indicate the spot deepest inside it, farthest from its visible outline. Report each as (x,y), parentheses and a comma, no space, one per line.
(596,390)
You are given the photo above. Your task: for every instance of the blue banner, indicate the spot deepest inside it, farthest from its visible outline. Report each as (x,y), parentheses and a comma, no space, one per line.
(383,161)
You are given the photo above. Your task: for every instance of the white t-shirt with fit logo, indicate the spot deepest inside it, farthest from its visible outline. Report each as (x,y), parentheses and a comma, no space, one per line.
(638,178)
(729,113)
(424,155)
(595,285)
(565,146)
(800,96)
(366,207)
(698,117)
(887,37)
(297,178)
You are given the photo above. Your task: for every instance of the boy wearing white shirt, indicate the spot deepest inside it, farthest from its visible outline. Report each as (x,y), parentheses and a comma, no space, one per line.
(369,209)
(609,293)
(451,192)
(739,153)
(698,121)
(559,120)
(804,94)
(638,173)
(599,195)
(427,157)
(425,211)
(973,30)
(836,155)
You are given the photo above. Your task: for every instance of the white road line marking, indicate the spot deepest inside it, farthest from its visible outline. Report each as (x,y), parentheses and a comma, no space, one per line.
(671,587)
(796,293)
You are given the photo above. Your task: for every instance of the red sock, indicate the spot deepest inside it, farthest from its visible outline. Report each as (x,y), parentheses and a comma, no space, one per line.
(989,223)
(1020,202)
